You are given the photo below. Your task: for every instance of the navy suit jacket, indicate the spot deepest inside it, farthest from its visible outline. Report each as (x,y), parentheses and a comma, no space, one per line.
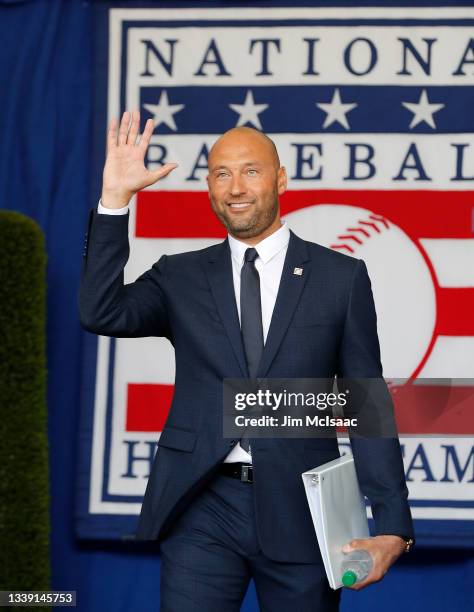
(323,324)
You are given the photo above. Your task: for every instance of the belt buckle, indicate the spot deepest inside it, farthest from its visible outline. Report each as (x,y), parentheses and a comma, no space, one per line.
(246,474)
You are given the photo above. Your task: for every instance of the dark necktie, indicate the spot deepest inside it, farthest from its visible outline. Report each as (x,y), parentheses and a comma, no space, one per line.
(251,318)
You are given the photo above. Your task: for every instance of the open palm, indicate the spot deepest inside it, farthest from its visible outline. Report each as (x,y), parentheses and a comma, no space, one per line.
(125,172)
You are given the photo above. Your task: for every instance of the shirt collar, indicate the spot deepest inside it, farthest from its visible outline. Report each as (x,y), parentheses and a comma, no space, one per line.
(266,249)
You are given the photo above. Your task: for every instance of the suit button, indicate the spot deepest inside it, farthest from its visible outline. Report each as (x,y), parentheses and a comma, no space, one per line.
(232,442)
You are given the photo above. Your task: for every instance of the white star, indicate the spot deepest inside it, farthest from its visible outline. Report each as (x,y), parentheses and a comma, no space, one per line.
(249,111)
(336,110)
(423,110)
(163,111)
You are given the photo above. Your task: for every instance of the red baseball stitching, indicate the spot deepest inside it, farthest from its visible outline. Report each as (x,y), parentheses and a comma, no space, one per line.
(370,227)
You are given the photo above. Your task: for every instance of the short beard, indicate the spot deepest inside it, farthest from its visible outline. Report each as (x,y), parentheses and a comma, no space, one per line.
(256,225)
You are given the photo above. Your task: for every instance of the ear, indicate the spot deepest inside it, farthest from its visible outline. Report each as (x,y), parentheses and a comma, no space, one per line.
(282,180)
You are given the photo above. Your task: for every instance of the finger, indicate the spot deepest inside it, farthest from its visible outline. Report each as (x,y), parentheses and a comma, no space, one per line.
(363,583)
(370,579)
(358,586)
(164,170)
(132,135)
(352,545)
(146,136)
(112,135)
(122,139)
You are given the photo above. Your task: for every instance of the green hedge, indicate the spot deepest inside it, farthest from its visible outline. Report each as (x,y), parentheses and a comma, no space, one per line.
(24,479)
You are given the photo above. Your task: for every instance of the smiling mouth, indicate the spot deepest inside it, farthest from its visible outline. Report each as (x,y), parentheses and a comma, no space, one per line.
(239,204)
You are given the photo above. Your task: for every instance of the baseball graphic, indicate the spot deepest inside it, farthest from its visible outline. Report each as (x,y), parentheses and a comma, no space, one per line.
(402,285)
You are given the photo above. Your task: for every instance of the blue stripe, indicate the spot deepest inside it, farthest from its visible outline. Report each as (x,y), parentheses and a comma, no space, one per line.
(292,109)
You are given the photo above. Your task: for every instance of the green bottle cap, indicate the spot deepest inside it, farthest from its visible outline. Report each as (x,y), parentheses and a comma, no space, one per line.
(349,578)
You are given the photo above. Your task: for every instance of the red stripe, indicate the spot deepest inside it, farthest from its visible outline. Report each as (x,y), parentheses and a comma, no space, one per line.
(148,406)
(176,214)
(434,409)
(455,311)
(418,409)
(421,214)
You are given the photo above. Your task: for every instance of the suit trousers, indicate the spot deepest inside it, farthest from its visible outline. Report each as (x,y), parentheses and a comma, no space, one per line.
(212,552)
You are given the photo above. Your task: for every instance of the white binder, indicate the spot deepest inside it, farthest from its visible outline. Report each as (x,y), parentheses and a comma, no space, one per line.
(338,510)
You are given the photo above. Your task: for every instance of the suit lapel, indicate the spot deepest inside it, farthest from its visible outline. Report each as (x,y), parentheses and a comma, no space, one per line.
(220,277)
(289,292)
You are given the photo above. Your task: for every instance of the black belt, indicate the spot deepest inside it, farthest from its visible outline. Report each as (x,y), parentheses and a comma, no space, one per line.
(241,471)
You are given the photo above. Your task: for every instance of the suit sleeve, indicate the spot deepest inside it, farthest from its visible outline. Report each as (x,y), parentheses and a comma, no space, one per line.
(378,460)
(107,306)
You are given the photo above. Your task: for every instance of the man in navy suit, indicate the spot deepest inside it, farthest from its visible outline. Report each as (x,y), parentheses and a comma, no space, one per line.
(225,511)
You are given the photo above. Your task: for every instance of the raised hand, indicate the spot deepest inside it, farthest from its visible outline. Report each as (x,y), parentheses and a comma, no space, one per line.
(124,171)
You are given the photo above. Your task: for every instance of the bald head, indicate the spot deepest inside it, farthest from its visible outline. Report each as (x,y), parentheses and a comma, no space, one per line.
(245,180)
(245,139)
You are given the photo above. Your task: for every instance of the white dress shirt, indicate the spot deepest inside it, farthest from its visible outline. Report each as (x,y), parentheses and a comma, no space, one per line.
(112,211)
(269,264)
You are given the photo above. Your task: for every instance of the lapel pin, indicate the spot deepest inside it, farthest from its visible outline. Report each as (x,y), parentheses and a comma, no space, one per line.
(298,271)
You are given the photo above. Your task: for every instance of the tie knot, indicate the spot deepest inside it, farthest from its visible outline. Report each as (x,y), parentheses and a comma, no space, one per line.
(251,254)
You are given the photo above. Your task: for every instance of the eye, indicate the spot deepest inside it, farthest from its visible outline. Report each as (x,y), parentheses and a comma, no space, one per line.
(252,172)
(221,174)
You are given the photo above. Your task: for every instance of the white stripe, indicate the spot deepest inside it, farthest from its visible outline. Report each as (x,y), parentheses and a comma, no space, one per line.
(451,357)
(342,13)
(453,260)
(98,434)
(436,152)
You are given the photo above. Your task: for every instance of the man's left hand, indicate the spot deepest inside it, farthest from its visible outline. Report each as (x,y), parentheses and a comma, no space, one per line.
(384,549)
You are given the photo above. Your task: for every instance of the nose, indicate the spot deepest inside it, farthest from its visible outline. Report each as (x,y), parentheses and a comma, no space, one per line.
(237,186)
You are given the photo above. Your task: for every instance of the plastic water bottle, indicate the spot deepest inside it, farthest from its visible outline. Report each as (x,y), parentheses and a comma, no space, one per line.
(356,566)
